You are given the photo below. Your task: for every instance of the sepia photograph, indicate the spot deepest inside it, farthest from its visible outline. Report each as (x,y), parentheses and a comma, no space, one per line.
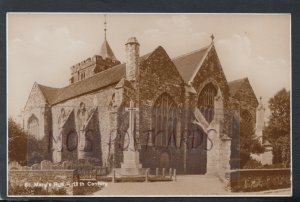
(148,104)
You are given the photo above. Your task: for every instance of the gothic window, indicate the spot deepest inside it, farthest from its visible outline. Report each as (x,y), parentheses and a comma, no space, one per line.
(164,119)
(33,126)
(206,101)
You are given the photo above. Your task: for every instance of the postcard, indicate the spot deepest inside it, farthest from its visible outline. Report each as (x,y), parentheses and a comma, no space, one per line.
(127,104)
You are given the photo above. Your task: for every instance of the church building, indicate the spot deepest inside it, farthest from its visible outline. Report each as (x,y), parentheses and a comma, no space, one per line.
(187,113)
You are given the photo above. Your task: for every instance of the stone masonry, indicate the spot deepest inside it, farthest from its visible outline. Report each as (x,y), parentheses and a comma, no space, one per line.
(87,119)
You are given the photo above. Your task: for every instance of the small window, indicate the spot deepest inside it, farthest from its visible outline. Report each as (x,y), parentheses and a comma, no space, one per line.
(82,76)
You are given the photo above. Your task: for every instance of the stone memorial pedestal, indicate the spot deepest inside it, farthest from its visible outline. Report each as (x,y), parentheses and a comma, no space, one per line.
(131,165)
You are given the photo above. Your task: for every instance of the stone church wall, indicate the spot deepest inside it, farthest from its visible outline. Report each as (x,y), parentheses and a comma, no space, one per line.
(159,75)
(37,107)
(247,100)
(211,71)
(101,99)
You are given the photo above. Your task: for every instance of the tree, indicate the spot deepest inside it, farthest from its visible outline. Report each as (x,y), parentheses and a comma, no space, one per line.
(248,142)
(24,148)
(17,142)
(38,150)
(278,130)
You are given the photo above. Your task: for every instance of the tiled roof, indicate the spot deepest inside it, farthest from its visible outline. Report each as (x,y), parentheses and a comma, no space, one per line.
(187,64)
(100,80)
(235,85)
(106,51)
(49,93)
(105,78)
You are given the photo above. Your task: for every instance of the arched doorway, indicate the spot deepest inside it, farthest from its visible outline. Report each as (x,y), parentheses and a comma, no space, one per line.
(206,101)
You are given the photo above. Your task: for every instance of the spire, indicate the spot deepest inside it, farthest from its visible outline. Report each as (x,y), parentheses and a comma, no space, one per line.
(260,104)
(212,38)
(106,51)
(105,27)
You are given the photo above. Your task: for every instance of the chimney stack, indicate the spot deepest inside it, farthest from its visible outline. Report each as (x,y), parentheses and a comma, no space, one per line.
(132,59)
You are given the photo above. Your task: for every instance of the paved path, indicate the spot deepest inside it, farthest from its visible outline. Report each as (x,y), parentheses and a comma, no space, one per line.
(187,185)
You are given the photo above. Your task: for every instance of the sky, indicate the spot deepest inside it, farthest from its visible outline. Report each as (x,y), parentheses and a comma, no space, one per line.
(42,47)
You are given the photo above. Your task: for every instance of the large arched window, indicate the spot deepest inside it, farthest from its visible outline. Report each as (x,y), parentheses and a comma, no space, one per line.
(206,101)
(33,126)
(164,120)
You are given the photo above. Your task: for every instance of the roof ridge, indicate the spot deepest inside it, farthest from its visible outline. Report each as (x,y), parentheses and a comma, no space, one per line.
(244,78)
(48,92)
(189,53)
(147,55)
(208,49)
(41,85)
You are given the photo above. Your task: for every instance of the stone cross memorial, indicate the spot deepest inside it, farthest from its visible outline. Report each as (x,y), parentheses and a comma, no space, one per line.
(131,109)
(131,165)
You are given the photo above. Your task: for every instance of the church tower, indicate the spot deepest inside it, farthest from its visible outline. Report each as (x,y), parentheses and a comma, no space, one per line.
(95,64)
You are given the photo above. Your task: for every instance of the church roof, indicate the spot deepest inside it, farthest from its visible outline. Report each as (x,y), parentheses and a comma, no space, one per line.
(234,86)
(103,79)
(100,80)
(122,83)
(188,63)
(106,51)
(49,93)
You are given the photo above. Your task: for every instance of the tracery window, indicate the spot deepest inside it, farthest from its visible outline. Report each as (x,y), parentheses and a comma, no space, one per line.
(206,101)
(33,126)
(164,120)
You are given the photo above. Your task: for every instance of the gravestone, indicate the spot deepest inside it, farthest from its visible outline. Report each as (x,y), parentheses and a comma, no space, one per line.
(57,167)
(66,165)
(46,165)
(14,166)
(36,166)
(26,168)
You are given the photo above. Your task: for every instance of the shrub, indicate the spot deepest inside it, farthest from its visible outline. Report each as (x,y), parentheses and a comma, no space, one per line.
(22,190)
(253,164)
